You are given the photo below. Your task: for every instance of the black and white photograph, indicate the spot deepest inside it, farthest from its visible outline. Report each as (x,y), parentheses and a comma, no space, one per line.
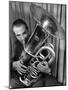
(37,44)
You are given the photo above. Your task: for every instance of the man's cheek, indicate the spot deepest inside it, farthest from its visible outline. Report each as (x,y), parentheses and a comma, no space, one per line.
(19,38)
(24,36)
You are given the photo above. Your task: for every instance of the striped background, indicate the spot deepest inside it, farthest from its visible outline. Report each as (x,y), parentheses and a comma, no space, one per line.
(22,10)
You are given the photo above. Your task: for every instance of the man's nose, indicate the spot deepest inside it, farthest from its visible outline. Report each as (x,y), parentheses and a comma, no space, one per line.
(21,36)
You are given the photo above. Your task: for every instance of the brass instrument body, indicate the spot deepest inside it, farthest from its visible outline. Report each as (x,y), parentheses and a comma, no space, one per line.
(35,48)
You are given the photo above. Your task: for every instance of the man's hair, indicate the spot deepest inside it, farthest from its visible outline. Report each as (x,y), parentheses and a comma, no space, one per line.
(20,22)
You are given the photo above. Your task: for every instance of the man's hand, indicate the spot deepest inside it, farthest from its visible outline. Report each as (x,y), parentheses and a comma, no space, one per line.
(43,67)
(17,65)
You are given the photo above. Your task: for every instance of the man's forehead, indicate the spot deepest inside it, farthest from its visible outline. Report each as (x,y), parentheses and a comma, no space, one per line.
(19,29)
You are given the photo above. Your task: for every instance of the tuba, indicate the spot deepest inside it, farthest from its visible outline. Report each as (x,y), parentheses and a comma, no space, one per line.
(41,50)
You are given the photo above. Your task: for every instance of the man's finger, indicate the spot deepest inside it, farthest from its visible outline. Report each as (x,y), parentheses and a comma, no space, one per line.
(24,67)
(19,72)
(22,70)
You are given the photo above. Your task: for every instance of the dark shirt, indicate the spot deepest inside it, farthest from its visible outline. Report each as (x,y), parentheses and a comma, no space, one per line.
(17,53)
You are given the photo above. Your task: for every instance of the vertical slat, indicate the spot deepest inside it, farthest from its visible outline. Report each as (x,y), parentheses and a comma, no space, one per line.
(55,14)
(11,19)
(61,61)
(55,10)
(10,43)
(26,12)
(30,24)
(56,50)
(65,62)
(59,14)
(58,18)
(61,54)
(13,5)
(18,9)
(48,7)
(13,10)
(63,22)
(45,6)
(22,10)
(33,23)
(56,57)
(27,15)
(63,17)
(52,9)
(64,72)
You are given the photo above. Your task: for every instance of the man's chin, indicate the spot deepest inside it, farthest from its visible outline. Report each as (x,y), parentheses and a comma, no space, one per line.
(22,41)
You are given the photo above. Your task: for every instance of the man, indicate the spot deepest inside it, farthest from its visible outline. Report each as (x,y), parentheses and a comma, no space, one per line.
(17,67)
(20,30)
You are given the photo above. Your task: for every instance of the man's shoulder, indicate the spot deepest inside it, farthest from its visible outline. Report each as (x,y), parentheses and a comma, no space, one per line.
(18,48)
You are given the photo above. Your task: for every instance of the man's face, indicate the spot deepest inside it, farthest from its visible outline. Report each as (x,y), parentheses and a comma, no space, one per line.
(20,32)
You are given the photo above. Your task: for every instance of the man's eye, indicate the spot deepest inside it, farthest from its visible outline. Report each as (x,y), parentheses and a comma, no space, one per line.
(18,35)
(23,33)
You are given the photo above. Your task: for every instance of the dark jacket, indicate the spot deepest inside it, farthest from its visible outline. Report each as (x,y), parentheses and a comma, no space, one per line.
(17,53)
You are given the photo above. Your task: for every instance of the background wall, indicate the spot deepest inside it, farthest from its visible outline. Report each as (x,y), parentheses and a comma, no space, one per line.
(22,10)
